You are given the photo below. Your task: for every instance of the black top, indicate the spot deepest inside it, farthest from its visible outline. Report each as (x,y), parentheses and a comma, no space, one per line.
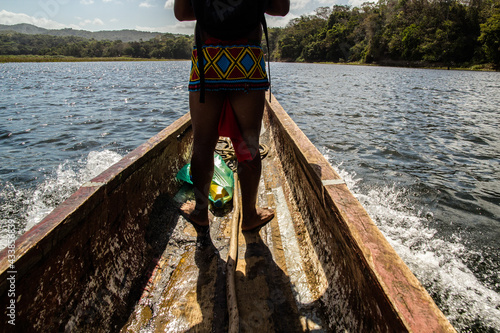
(229,19)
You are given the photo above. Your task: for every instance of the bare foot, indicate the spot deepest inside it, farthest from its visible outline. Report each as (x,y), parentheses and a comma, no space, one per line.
(262,217)
(190,213)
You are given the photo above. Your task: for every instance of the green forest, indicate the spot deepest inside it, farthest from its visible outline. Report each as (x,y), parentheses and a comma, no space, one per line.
(166,46)
(447,33)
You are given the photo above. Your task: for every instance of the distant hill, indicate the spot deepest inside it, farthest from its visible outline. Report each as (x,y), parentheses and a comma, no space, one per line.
(123,35)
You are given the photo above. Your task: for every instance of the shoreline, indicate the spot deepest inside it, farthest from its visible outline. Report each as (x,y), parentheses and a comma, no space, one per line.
(417,65)
(403,64)
(37,58)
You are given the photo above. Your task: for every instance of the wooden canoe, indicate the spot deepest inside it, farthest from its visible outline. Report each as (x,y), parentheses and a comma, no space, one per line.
(116,255)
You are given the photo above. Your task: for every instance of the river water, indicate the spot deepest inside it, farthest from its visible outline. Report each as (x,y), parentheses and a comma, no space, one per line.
(419,148)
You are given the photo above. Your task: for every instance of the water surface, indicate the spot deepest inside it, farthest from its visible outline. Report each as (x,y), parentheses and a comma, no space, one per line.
(419,148)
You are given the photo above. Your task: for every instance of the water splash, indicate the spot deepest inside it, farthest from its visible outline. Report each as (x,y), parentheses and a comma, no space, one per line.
(439,264)
(25,207)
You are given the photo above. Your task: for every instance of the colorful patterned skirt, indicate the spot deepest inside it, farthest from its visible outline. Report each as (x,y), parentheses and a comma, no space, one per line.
(230,67)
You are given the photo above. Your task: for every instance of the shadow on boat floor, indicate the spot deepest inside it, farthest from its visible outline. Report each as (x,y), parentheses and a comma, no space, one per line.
(185,289)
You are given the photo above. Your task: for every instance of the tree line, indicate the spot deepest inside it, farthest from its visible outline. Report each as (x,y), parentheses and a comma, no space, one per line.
(166,46)
(447,32)
(402,32)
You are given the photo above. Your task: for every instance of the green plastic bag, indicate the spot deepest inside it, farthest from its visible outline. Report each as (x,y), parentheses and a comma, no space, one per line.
(221,187)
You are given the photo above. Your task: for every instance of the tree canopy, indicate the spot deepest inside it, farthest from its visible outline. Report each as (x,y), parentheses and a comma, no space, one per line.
(464,32)
(166,46)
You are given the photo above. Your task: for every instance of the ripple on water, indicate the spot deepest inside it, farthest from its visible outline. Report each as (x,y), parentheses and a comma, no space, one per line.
(427,157)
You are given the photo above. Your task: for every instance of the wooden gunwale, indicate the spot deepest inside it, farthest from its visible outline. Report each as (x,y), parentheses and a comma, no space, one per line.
(71,244)
(399,297)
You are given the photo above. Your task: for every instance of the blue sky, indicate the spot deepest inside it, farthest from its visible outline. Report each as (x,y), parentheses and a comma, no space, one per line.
(144,15)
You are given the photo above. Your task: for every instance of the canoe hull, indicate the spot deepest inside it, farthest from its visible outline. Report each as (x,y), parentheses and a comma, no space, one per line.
(88,265)
(78,268)
(369,288)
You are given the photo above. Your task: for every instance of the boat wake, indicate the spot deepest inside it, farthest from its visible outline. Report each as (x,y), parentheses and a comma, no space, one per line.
(25,207)
(439,264)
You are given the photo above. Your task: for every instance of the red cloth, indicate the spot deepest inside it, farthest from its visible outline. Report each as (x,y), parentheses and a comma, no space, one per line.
(228,126)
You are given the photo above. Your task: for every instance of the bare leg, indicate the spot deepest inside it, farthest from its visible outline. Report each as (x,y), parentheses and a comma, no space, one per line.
(205,120)
(248,109)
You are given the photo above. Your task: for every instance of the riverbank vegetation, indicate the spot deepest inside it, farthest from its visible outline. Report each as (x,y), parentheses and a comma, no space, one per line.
(431,33)
(439,32)
(59,58)
(166,46)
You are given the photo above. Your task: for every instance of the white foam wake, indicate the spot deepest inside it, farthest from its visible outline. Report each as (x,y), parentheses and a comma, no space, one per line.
(25,207)
(437,263)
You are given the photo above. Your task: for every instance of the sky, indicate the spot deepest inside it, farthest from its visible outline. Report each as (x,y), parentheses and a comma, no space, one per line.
(142,15)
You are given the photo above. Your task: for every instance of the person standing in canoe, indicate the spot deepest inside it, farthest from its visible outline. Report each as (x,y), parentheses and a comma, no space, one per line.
(229,74)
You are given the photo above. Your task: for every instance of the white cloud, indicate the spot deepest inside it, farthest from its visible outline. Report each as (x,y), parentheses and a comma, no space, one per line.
(357,3)
(169,4)
(10,18)
(145,4)
(279,21)
(86,22)
(86,2)
(299,4)
(185,28)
